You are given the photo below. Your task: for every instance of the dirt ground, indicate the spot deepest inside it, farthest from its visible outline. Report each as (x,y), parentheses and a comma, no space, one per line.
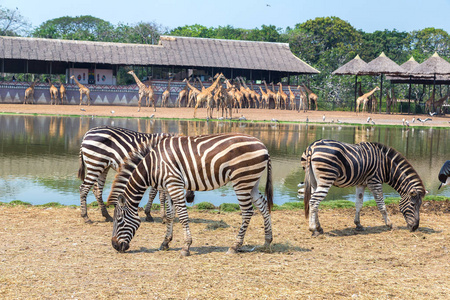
(51,253)
(249,114)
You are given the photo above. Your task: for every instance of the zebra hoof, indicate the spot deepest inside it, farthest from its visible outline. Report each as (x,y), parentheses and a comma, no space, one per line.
(88,221)
(109,219)
(360,228)
(185,253)
(149,219)
(317,232)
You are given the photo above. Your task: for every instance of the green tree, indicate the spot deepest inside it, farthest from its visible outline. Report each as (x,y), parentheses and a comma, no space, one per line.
(12,23)
(423,43)
(193,31)
(86,28)
(392,42)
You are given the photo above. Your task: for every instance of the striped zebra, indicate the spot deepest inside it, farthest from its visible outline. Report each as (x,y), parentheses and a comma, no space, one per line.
(107,147)
(367,164)
(198,163)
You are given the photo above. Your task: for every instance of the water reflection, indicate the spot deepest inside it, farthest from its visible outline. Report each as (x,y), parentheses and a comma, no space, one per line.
(39,155)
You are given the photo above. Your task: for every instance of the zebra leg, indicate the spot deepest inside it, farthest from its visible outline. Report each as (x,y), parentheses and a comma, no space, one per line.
(318,195)
(178,200)
(163,199)
(358,205)
(98,192)
(169,225)
(376,189)
(84,190)
(261,203)
(148,208)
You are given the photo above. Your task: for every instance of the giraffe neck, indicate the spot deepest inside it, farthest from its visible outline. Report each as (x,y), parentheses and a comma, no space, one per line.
(138,82)
(213,86)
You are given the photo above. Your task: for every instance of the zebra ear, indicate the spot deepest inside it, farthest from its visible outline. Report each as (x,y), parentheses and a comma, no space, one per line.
(121,200)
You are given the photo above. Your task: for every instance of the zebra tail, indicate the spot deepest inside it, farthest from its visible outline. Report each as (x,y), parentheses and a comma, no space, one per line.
(307,194)
(82,169)
(269,185)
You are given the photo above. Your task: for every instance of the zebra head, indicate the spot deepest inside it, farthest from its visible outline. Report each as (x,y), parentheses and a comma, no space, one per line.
(410,205)
(126,222)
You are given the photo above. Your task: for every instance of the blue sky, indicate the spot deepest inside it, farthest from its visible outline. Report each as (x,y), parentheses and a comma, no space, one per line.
(369,16)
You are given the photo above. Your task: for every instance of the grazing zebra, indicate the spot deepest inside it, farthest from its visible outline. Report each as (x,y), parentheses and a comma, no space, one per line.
(444,174)
(107,147)
(198,163)
(328,162)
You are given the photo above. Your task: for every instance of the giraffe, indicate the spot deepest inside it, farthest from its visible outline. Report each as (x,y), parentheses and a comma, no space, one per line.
(391,101)
(62,93)
(364,99)
(264,98)
(292,103)
(256,96)
(206,96)
(181,95)
(83,91)
(281,97)
(166,95)
(29,93)
(192,93)
(440,102)
(144,92)
(311,96)
(53,92)
(270,93)
(429,103)
(236,95)
(245,92)
(302,105)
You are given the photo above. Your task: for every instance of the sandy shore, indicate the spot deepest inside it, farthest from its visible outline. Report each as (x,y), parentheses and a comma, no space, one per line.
(250,114)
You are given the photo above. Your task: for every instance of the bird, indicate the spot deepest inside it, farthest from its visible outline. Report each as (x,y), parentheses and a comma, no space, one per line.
(112,111)
(444,174)
(307,120)
(368,119)
(82,109)
(373,122)
(407,123)
(332,120)
(339,121)
(242,118)
(323,118)
(413,120)
(274,120)
(268,5)
(432,113)
(152,116)
(403,121)
(221,118)
(423,121)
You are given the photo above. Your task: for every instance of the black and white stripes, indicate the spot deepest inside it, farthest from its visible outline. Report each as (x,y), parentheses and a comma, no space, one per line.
(198,163)
(328,162)
(103,148)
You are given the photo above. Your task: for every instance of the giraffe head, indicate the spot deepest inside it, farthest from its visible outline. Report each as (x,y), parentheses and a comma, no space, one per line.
(130,72)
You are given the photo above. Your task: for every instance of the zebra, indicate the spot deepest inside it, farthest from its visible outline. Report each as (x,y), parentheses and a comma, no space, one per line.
(197,163)
(107,147)
(367,164)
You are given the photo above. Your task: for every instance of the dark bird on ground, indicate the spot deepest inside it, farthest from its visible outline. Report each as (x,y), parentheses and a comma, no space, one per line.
(444,174)
(82,109)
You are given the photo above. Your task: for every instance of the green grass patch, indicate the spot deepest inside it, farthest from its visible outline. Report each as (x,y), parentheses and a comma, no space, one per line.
(337,204)
(293,205)
(19,202)
(204,206)
(52,204)
(229,207)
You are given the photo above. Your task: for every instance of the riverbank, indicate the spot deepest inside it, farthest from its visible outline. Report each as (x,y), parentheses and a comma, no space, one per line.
(50,252)
(335,117)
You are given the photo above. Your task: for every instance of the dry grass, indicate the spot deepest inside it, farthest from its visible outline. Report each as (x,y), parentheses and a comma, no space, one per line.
(51,253)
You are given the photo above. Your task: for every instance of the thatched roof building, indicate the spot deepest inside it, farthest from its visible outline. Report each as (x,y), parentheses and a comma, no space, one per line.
(37,55)
(353,67)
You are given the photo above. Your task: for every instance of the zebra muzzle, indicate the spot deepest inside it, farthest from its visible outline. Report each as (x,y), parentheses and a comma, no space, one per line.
(119,246)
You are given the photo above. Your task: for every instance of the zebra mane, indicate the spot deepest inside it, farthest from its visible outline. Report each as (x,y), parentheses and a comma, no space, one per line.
(125,171)
(401,161)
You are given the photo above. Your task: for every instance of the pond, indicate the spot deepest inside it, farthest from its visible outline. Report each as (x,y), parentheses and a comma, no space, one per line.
(39,155)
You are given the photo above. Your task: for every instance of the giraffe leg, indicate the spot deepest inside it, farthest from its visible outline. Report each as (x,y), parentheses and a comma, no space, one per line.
(148,208)
(376,189)
(358,205)
(139,102)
